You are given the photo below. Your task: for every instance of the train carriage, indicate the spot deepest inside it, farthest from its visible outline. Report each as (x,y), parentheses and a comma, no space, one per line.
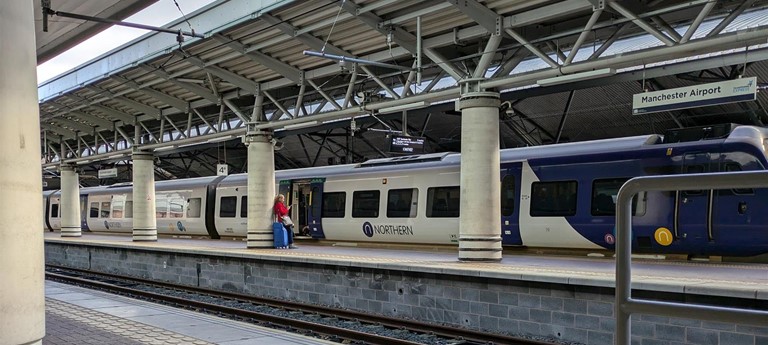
(551,196)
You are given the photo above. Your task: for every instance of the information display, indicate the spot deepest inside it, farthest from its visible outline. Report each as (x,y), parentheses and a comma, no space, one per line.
(407,145)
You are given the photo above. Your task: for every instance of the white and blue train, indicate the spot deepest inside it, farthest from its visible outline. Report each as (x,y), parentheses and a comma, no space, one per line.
(559,196)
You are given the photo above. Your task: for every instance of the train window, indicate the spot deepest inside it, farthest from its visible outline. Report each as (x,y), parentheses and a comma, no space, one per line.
(228,207)
(161,207)
(194,205)
(333,205)
(508,195)
(604,194)
(244,207)
(104,209)
(443,202)
(117,209)
(129,209)
(401,203)
(730,167)
(176,206)
(365,204)
(94,210)
(551,199)
(54,210)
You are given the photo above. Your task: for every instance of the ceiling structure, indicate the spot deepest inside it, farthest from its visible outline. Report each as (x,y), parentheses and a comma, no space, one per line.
(65,33)
(191,102)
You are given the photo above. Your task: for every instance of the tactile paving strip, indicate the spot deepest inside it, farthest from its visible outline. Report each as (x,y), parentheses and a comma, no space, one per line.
(123,331)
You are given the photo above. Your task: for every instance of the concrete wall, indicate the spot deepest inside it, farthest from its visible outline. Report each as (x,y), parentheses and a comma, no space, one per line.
(569,313)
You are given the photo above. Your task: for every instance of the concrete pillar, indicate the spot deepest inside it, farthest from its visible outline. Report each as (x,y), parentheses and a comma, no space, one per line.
(22,297)
(480,222)
(261,189)
(144,221)
(70,202)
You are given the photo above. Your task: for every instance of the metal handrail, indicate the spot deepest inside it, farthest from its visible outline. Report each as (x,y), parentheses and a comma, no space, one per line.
(625,304)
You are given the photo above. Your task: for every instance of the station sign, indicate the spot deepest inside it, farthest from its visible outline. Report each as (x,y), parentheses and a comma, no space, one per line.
(222,169)
(730,91)
(108,173)
(407,145)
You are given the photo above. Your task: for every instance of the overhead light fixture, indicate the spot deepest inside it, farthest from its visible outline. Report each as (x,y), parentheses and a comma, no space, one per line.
(116,156)
(220,139)
(570,78)
(300,125)
(403,107)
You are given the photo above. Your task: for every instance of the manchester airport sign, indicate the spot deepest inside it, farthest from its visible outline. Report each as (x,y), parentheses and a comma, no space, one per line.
(738,90)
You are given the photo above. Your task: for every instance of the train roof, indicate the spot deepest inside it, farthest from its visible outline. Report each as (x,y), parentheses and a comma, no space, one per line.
(127,187)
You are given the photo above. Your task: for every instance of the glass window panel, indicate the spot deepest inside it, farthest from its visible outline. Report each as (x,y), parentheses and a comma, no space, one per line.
(117,209)
(443,202)
(228,207)
(54,210)
(334,205)
(401,203)
(129,209)
(365,204)
(176,206)
(508,195)
(94,210)
(551,199)
(244,207)
(105,209)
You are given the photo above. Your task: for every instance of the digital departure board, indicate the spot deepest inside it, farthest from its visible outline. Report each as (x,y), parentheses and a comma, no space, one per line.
(406,145)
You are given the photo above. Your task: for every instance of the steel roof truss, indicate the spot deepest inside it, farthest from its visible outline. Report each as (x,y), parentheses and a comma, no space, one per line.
(125,135)
(100,123)
(152,136)
(195,89)
(536,51)
(583,36)
(641,23)
(484,16)
(114,113)
(242,82)
(77,126)
(207,124)
(66,133)
(235,109)
(324,94)
(276,65)
(696,22)
(174,102)
(402,38)
(729,19)
(488,55)
(380,82)
(305,38)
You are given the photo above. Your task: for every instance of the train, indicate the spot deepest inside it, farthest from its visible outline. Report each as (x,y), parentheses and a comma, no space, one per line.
(552,196)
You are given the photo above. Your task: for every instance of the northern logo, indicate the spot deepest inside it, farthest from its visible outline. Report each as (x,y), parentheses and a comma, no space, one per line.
(368,229)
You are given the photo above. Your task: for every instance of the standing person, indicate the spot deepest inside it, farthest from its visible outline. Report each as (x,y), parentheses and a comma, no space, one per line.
(282,215)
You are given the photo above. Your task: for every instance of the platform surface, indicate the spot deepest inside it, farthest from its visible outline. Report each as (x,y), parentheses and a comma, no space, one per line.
(740,280)
(77,315)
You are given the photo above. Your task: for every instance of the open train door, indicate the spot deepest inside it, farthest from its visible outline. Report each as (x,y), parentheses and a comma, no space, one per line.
(305,196)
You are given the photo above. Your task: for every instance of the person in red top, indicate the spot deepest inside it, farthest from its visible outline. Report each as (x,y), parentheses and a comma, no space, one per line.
(281,212)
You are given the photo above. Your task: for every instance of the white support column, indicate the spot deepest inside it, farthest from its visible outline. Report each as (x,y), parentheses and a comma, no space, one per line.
(22,297)
(261,188)
(70,201)
(144,221)
(480,221)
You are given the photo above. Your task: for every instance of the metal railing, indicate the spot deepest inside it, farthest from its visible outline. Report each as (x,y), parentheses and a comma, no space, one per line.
(625,304)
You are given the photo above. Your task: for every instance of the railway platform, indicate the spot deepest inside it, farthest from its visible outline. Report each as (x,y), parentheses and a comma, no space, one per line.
(77,315)
(569,299)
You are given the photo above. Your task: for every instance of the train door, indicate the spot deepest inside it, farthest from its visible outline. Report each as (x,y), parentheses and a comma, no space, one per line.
(510,194)
(315,208)
(305,198)
(731,212)
(84,212)
(693,216)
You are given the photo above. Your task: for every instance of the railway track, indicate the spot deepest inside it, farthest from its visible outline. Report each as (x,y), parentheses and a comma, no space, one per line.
(332,324)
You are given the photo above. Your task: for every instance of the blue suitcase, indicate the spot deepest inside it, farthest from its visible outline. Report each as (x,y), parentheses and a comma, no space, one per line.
(280,234)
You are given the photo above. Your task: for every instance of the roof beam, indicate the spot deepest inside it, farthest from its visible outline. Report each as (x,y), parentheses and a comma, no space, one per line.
(403,38)
(126,118)
(74,125)
(197,90)
(66,133)
(484,16)
(305,38)
(138,106)
(232,77)
(101,124)
(545,13)
(276,65)
(174,102)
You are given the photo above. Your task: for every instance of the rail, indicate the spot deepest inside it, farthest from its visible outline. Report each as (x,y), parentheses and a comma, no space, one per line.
(625,304)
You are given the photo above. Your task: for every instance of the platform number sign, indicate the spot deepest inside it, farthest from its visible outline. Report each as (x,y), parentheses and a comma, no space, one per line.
(222,169)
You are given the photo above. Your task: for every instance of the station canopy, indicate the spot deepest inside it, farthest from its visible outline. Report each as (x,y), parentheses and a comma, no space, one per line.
(190,102)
